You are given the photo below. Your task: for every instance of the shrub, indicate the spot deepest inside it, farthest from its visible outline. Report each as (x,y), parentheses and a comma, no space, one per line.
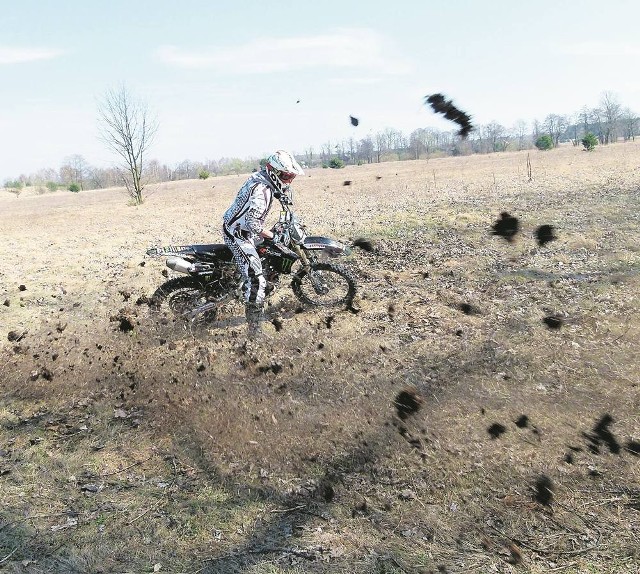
(544,142)
(204,174)
(74,187)
(589,141)
(52,186)
(16,184)
(336,163)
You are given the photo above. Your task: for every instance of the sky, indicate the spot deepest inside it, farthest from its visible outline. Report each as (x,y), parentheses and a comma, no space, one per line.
(244,78)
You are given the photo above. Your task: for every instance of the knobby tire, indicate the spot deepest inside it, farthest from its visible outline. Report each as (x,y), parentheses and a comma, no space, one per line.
(304,291)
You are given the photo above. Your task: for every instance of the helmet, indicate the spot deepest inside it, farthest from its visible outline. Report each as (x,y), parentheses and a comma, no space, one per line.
(282,168)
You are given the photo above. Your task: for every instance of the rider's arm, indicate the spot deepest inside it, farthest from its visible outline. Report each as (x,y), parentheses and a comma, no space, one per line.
(257,211)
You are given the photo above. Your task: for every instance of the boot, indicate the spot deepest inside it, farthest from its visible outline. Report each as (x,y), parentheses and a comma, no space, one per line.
(254,313)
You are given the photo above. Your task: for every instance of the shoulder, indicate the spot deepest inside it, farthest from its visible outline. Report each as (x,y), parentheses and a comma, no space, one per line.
(263,177)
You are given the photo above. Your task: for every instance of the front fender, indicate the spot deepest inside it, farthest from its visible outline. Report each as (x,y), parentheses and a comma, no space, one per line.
(331,247)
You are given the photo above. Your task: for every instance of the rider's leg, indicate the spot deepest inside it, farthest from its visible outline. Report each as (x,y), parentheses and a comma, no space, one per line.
(248,262)
(254,298)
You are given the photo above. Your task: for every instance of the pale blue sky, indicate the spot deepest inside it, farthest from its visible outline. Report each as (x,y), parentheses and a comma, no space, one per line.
(223,78)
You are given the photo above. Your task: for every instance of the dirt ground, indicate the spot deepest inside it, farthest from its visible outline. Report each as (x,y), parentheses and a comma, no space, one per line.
(478,410)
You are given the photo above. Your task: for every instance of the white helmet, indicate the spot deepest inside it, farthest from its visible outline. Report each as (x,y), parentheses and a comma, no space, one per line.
(282,168)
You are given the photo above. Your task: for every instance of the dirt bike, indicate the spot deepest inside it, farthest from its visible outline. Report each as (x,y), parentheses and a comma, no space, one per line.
(211,278)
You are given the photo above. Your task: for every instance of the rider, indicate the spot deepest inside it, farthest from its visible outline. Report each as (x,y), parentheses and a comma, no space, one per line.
(243,226)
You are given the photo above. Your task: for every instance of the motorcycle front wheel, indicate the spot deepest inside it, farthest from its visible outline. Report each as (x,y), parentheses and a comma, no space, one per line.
(324,285)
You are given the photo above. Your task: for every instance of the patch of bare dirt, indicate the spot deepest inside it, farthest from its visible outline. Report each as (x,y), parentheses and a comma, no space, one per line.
(442,425)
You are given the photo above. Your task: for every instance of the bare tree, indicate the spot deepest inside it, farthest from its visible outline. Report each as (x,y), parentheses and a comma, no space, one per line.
(573,129)
(583,117)
(612,111)
(366,149)
(45,175)
(128,130)
(309,156)
(520,132)
(75,169)
(536,129)
(351,143)
(325,152)
(556,125)
(380,142)
(596,121)
(629,121)
(496,134)
(417,142)
(100,178)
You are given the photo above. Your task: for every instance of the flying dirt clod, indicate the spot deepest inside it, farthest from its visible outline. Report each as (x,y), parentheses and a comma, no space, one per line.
(407,402)
(544,234)
(507,226)
(543,490)
(363,243)
(553,321)
(441,105)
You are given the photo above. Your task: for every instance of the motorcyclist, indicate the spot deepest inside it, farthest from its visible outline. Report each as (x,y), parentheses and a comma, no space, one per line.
(243,227)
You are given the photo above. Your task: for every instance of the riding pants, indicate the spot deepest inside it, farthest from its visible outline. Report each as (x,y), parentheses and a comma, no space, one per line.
(248,262)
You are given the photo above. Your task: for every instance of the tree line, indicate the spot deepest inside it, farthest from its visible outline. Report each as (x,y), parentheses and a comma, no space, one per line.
(609,122)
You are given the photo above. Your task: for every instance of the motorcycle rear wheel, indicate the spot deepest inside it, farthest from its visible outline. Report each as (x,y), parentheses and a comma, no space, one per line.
(181,296)
(324,285)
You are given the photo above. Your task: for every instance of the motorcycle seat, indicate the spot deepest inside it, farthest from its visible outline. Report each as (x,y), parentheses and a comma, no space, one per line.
(213,252)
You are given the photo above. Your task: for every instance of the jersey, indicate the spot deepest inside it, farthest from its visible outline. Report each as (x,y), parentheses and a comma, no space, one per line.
(247,214)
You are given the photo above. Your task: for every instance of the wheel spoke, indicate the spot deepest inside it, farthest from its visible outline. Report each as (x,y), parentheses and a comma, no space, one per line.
(324,285)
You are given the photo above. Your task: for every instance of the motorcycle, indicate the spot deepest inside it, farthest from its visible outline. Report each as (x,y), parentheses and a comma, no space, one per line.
(211,278)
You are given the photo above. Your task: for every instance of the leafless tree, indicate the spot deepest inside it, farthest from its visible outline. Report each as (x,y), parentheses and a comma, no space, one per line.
(127,128)
(596,122)
(188,169)
(629,121)
(309,156)
(380,142)
(45,175)
(100,178)
(536,129)
(496,134)
(417,142)
(75,169)
(326,153)
(366,149)
(574,128)
(351,146)
(520,132)
(612,111)
(424,141)
(556,125)
(583,117)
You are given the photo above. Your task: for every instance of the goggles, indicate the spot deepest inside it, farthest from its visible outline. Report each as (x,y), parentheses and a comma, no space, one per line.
(286,177)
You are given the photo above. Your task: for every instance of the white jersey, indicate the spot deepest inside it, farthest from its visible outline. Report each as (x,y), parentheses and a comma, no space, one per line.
(248,212)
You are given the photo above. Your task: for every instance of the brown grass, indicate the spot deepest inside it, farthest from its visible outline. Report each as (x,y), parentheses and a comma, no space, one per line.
(185,451)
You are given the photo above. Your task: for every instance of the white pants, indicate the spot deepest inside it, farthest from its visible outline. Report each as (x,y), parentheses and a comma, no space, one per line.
(248,262)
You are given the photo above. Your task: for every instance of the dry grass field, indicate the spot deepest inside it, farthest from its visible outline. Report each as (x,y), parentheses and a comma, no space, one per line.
(160,448)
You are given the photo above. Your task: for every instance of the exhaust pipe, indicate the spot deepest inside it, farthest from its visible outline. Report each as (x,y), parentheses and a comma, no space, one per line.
(180,264)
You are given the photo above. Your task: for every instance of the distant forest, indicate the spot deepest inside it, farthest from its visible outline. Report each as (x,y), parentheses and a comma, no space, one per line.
(610,122)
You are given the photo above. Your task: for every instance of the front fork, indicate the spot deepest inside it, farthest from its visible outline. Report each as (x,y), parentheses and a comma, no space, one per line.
(306,263)
(318,284)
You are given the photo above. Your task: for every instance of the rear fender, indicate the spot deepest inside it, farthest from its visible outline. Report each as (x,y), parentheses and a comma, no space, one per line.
(208,253)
